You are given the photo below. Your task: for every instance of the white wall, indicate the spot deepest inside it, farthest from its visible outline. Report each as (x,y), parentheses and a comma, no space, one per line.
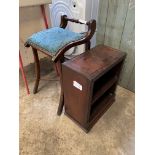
(30,21)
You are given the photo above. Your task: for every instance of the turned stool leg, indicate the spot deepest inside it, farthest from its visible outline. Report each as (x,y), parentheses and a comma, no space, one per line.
(37,70)
(61,101)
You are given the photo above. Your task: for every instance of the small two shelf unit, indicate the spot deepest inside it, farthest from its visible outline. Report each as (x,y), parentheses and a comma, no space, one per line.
(89,84)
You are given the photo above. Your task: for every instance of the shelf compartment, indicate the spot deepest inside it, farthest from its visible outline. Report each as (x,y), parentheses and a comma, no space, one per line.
(101,105)
(104,79)
(104,88)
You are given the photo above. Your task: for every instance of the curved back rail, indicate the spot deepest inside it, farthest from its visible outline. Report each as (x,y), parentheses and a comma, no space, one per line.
(89,34)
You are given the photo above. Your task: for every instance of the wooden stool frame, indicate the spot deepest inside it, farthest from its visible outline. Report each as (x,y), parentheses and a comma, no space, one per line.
(58,58)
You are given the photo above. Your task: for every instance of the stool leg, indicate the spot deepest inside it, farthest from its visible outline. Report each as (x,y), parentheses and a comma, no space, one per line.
(56,69)
(37,70)
(61,101)
(87,46)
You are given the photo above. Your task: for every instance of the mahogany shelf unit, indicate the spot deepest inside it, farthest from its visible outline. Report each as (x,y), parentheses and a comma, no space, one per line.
(89,84)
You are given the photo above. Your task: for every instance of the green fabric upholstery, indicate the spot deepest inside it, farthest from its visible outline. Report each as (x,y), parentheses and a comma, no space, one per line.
(53,39)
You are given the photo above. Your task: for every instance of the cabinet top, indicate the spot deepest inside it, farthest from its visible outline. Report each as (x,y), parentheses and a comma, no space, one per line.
(97,61)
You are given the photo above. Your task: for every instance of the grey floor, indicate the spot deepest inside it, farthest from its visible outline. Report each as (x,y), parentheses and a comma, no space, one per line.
(42,132)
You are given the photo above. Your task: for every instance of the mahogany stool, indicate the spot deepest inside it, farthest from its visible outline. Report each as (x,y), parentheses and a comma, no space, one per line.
(54,42)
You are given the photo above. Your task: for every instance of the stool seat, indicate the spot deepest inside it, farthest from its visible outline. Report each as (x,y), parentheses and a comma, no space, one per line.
(53,39)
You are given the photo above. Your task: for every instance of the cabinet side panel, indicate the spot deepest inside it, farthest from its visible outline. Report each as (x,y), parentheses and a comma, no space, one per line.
(76,95)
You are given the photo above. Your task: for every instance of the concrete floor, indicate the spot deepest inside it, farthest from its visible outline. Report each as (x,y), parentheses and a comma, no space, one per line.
(42,132)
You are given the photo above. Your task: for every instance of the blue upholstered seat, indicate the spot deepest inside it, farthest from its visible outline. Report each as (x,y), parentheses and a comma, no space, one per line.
(53,39)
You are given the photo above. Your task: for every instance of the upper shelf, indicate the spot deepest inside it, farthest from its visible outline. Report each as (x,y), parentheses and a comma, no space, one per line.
(25,3)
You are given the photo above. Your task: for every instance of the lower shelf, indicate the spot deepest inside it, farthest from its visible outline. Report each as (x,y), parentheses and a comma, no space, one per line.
(100,108)
(95,115)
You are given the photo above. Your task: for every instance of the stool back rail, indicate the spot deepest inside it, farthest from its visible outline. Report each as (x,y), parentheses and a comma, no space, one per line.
(58,57)
(86,40)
